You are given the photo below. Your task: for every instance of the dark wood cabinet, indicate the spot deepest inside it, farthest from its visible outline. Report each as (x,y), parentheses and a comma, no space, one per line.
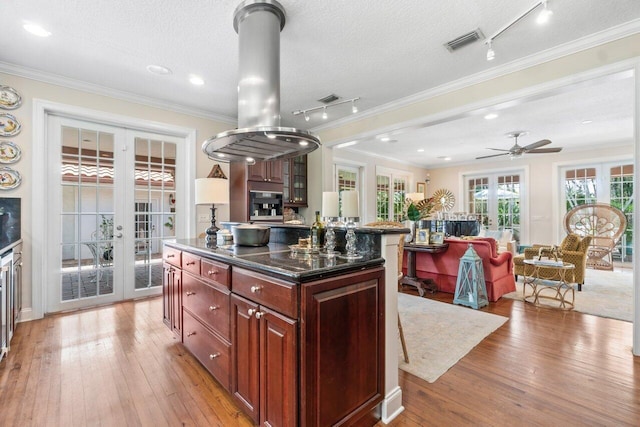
(264,379)
(269,171)
(294,192)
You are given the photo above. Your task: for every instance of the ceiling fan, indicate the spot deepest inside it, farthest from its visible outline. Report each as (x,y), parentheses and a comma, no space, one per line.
(517,150)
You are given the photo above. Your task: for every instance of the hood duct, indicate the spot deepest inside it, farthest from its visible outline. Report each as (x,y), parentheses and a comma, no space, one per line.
(259,135)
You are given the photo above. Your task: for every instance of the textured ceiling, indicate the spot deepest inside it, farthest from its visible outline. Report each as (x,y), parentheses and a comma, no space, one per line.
(379,50)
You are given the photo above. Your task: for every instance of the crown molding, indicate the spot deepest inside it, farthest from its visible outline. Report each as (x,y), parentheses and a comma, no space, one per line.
(596,39)
(58,80)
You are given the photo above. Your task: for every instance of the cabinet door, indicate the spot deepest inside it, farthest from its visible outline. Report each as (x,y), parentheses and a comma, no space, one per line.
(257,172)
(343,374)
(245,374)
(278,369)
(295,182)
(275,171)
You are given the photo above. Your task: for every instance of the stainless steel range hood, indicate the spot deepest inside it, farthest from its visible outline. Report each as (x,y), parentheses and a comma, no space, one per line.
(259,135)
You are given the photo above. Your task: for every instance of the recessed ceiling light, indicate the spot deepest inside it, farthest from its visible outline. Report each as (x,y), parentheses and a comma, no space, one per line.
(491,116)
(36,29)
(384,138)
(445,158)
(158,69)
(420,150)
(196,80)
(586,122)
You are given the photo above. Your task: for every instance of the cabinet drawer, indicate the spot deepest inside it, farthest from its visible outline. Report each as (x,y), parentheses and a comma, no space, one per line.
(172,256)
(212,351)
(216,272)
(191,263)
(276,294)
(207,303)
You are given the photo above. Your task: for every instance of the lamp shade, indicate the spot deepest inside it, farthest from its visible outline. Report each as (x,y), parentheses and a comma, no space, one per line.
(212,191)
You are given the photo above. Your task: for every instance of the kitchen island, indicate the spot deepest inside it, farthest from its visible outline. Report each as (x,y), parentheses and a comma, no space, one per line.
(297,339)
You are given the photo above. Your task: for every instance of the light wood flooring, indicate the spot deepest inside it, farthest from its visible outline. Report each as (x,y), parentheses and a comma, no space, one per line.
(120,366)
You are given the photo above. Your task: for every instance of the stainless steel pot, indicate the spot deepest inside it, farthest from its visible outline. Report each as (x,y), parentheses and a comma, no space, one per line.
(251,235)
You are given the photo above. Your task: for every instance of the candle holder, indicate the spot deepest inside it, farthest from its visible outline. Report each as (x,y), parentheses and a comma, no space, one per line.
(330,237)
(350,224)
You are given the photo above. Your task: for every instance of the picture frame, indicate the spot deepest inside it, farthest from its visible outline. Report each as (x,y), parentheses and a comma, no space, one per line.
(436,238)
(422,236)
(421,187)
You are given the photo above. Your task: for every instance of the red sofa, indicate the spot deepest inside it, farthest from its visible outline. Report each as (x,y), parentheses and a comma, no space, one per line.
(443,267)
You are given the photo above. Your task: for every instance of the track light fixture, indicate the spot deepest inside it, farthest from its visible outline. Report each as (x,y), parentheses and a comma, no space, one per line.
(325,116)
(543,17)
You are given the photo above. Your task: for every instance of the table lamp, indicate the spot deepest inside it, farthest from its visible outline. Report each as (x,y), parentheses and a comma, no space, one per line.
(214,189)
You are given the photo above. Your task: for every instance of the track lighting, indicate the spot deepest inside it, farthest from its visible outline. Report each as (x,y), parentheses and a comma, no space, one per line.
(490,53)
(543,17)
(545,14)
(325,116)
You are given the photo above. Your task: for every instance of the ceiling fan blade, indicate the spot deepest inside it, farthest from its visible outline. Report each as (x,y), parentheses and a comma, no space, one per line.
(492,155)
(498,149)
(537,144)
(546,150)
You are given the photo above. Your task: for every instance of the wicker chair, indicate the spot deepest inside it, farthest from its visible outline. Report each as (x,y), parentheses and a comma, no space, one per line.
(393,224)
(573,249)
(605,224)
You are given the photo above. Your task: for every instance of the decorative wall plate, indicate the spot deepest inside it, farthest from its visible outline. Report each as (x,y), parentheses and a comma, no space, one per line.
(444,199)
(10,99)
(9,152)
(9,178)
(9,125)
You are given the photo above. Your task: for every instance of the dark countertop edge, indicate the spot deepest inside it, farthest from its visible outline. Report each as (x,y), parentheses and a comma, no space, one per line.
(10,246)
(359,229)
(281,273)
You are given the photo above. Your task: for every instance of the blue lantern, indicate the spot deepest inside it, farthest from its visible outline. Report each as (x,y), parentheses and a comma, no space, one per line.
(470,287)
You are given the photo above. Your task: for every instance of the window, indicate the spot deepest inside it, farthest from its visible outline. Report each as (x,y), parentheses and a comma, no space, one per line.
(580,187)
(391,187)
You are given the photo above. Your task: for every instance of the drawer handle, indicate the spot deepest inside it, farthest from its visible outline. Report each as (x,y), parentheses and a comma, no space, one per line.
(212,272)
(189,293)
(259,314)
(213,307)
(190,333)
(251,311)
(214,356)
(170,256)
(256,288)
(190,262)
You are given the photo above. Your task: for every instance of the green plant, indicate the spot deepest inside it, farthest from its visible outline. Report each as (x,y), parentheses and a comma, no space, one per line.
(169,223)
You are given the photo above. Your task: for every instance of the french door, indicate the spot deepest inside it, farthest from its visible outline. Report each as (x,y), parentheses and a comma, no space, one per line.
(111,196)
(497,200)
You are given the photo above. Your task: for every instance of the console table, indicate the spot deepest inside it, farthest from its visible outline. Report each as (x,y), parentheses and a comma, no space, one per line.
(410,278)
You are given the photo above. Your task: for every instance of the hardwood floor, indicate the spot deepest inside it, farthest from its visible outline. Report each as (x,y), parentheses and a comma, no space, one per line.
(120,365)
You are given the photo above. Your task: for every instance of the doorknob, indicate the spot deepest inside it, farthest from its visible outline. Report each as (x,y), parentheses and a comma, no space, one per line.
(119,235)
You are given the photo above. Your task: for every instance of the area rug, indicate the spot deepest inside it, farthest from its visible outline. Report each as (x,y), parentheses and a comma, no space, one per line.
(604,294)
(439,334)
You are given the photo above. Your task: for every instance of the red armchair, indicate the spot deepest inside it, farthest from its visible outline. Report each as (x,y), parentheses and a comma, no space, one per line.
(443,267)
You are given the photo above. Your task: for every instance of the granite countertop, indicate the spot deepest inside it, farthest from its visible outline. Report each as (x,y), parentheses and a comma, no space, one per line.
(276,259)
